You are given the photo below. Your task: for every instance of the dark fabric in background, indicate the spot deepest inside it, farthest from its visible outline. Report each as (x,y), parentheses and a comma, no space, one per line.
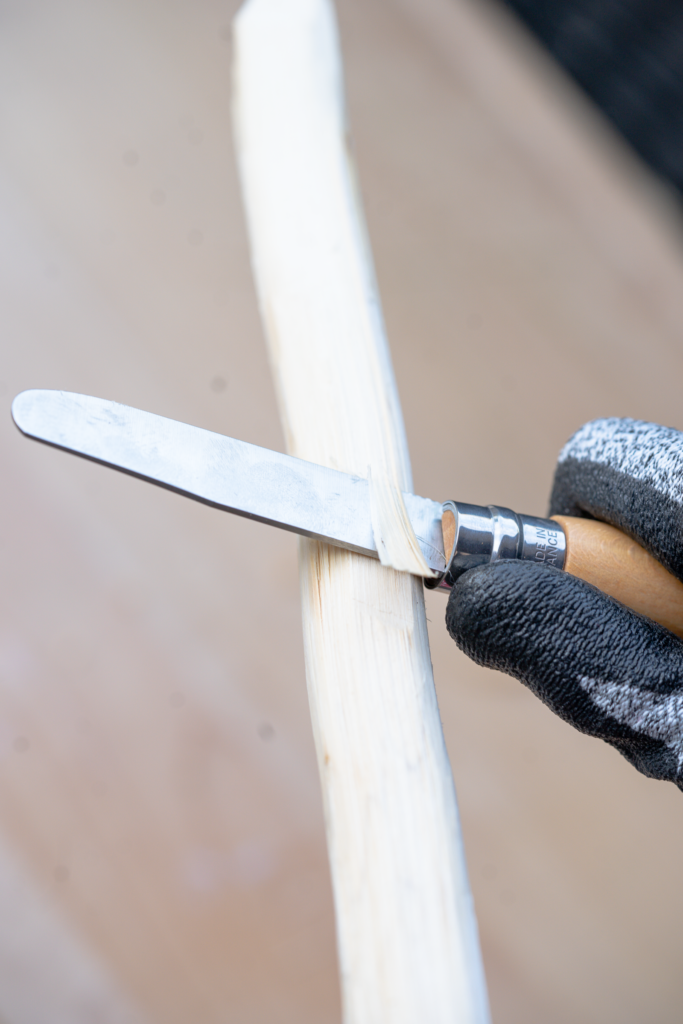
(628,56)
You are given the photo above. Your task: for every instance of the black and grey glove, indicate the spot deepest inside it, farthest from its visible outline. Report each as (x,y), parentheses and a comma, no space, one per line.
(608,671)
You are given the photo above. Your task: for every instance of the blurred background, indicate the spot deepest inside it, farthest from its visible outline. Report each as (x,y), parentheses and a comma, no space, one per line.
(162,854)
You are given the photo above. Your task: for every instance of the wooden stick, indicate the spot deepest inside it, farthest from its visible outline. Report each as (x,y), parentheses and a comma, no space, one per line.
(406,931)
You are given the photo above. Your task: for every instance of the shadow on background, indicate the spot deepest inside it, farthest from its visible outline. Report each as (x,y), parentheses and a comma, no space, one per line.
(628,57)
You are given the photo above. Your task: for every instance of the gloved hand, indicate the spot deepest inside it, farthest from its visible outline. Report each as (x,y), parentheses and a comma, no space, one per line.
(609,672)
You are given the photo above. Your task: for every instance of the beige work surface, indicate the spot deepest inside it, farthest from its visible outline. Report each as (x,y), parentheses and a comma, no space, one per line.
(162,855)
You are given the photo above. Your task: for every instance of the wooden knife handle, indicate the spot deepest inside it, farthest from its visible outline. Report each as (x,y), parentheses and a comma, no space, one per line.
(616,564)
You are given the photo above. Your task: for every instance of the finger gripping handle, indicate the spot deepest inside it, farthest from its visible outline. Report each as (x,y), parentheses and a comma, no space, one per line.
(591,550)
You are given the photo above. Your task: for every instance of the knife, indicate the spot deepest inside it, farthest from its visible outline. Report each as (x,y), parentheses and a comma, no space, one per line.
(331,506)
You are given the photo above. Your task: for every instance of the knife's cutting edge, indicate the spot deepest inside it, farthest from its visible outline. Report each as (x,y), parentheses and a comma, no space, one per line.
(270,487)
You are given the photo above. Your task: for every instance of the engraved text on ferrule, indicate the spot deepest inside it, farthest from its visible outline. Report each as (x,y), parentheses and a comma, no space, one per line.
(546,546)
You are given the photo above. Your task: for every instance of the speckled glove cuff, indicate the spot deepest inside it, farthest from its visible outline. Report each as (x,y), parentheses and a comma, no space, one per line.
(629,474)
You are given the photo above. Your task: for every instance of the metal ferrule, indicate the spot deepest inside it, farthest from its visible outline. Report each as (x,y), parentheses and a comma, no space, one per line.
(485,534)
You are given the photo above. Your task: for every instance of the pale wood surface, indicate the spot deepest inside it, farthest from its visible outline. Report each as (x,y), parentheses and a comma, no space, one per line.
(532,279)
(616,564)
(408,947)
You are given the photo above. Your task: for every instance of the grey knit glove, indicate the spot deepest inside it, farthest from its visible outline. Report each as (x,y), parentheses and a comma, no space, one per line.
(608,671)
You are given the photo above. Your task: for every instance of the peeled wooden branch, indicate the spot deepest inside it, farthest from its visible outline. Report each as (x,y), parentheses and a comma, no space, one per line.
(407,938)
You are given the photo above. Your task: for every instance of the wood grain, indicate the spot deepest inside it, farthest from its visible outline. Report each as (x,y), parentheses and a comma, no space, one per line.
(618,565)
(193,835)
(407,941)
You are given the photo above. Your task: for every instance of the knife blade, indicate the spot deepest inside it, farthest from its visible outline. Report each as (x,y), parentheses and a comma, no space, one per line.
(335,507)
(222,472)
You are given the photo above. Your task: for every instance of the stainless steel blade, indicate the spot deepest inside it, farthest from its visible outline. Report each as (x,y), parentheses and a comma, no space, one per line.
(232,475)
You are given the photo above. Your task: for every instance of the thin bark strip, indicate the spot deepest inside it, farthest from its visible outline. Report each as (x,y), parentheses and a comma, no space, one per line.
(407,936)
